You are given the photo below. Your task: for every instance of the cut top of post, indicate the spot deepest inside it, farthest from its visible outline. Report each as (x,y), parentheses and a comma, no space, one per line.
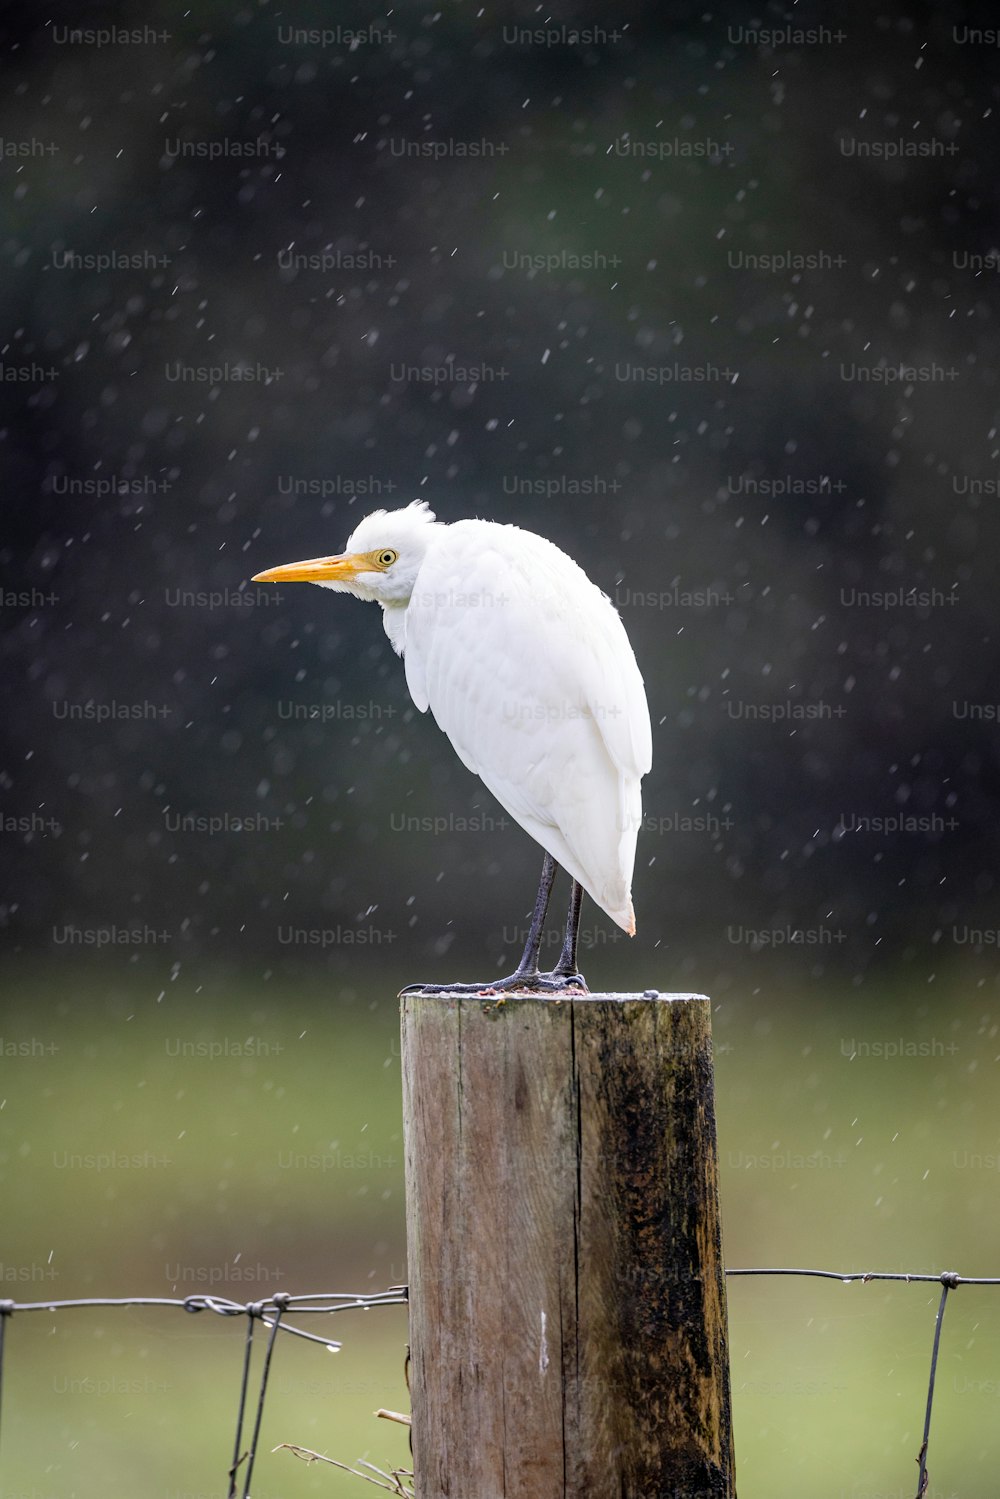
(485,995)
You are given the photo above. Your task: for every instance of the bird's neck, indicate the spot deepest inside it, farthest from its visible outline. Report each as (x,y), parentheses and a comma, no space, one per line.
(394,620)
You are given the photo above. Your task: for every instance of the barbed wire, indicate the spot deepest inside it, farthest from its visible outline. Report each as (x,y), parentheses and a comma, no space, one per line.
(271,1312)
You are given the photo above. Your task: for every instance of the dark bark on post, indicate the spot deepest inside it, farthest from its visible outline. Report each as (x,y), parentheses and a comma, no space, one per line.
(567,1293)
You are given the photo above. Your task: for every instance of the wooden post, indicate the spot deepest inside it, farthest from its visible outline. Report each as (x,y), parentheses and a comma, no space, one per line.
(567,1294)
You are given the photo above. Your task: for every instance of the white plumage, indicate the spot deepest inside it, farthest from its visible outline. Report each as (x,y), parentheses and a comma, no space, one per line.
(526,666)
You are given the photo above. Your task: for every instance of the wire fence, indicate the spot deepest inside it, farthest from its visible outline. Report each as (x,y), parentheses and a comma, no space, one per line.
(274,1312)
(271,1313)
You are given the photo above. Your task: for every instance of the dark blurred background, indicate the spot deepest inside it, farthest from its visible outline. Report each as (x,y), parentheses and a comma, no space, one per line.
(707,298)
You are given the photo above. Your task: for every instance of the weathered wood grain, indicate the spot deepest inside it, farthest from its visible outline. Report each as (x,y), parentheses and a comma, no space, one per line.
(567,1293)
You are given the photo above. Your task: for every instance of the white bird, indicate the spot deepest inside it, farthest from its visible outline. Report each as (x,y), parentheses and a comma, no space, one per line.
(526,666)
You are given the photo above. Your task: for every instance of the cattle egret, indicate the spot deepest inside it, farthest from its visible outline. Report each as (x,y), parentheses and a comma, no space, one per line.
(526,666)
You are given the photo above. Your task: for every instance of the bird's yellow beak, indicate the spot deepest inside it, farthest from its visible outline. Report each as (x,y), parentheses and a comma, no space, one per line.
(317,570)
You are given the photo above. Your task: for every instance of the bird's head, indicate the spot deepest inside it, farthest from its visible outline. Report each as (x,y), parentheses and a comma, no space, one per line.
(380,562)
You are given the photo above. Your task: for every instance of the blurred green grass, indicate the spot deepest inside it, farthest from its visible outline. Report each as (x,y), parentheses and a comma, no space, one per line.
(262,1127)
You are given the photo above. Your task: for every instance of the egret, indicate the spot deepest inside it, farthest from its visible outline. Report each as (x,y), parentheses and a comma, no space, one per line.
(526,666)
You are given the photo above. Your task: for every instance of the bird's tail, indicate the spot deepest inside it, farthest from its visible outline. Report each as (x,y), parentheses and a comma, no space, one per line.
(625,919)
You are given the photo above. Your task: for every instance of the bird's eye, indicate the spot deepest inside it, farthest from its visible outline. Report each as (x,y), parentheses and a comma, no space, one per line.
(387,558)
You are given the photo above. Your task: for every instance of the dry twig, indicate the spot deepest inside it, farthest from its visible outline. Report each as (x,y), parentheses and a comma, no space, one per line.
(392,1481)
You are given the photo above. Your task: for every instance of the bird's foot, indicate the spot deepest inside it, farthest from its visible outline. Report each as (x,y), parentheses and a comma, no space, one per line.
(563,982)
(516,983)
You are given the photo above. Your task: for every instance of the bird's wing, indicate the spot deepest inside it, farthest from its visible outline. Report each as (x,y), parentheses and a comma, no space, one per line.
(616,693)
(499,573)
(528,670)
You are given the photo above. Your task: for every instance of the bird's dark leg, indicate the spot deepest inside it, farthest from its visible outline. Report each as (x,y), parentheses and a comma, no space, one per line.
(526,976)
(529,958)
(566,966)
